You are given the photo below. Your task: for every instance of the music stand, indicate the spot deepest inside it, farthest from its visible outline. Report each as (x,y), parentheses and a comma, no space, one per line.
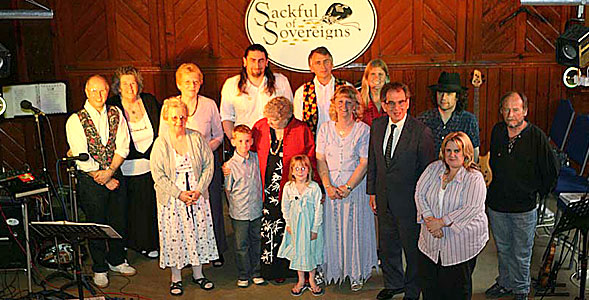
(75,232)
(576,216)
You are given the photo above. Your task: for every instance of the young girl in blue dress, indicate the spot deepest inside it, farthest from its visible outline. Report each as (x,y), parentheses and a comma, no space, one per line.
(303,212)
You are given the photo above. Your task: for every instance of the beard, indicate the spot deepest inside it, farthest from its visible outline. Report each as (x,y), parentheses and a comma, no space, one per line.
(516,125)
(257,73)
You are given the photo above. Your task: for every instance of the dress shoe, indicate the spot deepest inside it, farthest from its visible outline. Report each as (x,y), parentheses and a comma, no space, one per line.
(496,291)
(389,293)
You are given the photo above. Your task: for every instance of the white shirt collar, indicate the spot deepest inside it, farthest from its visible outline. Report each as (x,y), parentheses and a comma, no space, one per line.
(262,85)
(91,110)
(318,84)
(399,124)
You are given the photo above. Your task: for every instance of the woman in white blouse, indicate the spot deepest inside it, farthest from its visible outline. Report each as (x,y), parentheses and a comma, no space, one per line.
(203,116)
(142,112)
(450,199)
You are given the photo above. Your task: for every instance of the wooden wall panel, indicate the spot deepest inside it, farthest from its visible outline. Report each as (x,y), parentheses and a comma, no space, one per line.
(497,38)
(440,29)
(527,37)
(417,38)
(418,31)
(540,36)
(89,35)
(395,23)
(190,30)
(133,30)
(231,18)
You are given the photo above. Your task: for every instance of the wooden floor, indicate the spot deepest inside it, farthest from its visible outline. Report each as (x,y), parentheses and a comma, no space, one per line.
(151,282)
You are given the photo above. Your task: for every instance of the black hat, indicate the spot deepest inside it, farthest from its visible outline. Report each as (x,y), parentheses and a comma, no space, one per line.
(448,82)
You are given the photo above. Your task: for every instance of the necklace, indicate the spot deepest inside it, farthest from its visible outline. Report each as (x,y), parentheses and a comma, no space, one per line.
(342,131)
(195,106)
(133,107)
(274,152)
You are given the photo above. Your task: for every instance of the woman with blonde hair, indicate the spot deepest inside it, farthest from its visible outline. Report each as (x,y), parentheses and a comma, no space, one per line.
(375,76)
(182,168)
(450,200)
(203,116)
(342,160)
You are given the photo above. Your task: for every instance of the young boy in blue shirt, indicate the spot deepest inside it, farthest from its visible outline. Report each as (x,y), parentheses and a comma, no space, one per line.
(243,186)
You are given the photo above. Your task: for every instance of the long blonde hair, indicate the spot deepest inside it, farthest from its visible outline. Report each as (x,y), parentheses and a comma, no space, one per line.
(375,63)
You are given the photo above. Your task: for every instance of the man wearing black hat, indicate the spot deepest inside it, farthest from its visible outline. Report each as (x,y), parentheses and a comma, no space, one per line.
(449,115)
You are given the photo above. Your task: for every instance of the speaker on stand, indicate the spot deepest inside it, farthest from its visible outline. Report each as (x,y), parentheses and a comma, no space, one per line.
(15,252)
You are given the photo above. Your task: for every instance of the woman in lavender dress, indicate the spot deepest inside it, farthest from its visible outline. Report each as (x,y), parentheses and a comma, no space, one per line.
(342,158)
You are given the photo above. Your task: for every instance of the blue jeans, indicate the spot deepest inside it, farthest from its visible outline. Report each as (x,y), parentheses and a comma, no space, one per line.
(248,246)
(514,238)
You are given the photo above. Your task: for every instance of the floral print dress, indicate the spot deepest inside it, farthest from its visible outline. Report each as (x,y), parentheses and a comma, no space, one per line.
(273,224)
(186,232)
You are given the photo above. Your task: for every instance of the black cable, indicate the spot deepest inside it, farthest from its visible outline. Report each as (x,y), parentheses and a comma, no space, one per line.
(60,185)
(52,137)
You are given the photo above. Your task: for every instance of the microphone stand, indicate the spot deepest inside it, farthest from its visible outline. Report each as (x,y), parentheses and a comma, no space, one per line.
(82,281)
(45,174)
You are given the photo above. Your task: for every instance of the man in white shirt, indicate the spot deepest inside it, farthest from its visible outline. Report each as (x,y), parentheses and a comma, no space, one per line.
(312,99)
(244,96)
(101,131)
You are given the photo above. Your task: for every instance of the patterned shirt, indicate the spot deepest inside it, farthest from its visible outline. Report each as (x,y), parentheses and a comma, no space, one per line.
(462,206)
(459,121)
(76,136)
(244,187)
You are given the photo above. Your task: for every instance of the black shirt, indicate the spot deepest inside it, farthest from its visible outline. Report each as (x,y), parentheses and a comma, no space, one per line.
(522,168)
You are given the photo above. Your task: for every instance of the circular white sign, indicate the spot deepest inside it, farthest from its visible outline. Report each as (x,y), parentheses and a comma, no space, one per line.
(290,29)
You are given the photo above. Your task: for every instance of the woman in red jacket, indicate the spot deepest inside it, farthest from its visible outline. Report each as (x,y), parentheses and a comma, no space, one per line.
(277,138)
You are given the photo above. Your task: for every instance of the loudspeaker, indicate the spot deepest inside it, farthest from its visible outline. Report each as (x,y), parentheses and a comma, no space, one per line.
(5,59)
(12,228)
(572,47)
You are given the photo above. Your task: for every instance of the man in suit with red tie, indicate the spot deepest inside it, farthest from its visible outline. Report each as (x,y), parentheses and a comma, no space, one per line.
(400,149)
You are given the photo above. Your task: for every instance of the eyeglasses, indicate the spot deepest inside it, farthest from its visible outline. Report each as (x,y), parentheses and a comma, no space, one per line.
(396,103)
(98,91)
(175,118)
(300,168)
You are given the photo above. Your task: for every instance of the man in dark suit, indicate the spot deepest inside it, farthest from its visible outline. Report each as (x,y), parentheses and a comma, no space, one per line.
(400,149)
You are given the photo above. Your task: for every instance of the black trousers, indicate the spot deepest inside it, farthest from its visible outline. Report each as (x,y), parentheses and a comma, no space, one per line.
(397,235)
(445,283)
(216,202)
(142,228)
(103,206)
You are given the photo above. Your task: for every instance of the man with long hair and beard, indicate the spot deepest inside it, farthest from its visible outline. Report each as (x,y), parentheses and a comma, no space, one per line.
(244,96)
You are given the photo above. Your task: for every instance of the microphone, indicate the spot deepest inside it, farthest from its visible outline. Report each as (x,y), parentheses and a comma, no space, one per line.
(81,157)
(26,104)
